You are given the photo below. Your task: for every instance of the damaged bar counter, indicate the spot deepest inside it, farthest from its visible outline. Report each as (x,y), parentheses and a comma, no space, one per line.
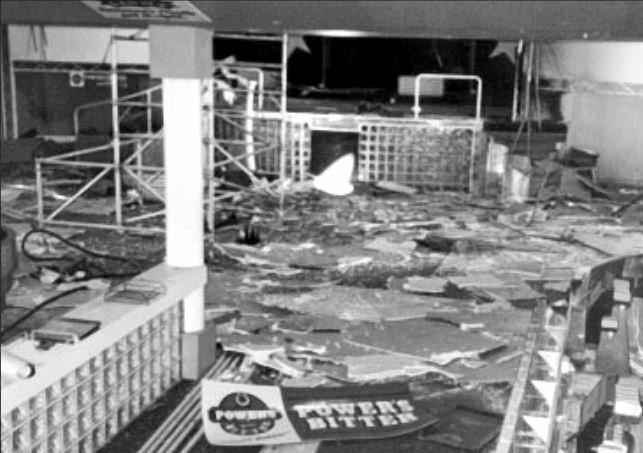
(432,152)
(85,390)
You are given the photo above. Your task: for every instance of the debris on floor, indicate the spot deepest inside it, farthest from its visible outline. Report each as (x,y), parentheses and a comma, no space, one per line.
(425,285)
(386,285)
(379,367)
(395,187)
(464,429)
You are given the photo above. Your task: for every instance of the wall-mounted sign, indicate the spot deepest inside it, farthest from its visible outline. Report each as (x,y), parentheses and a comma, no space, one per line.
(243,414)
(152,10)
(104,79)
(77,79)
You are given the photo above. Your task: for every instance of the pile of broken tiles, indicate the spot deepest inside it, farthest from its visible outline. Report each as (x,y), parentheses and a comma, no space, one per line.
(378,288)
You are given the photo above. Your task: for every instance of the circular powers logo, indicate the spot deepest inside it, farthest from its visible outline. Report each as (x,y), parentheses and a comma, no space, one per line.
(244,414)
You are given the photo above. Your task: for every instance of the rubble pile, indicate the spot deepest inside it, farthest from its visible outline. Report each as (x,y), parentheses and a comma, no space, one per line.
(384,285)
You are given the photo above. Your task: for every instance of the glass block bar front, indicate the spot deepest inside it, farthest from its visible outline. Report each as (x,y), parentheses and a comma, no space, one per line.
(83,410)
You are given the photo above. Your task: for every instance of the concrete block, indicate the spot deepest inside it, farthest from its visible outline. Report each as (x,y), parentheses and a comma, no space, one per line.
(199,352)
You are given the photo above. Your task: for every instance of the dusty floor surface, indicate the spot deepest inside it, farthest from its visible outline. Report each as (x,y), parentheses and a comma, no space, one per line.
(432,289)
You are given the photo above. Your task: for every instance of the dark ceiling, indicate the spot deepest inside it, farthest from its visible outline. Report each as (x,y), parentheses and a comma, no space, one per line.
(503,20)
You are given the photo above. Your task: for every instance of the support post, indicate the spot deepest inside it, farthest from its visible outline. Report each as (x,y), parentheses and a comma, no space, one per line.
(116,138)
(182,57)
(184,209)
(282,131)
(530,70)
(148,101)
(209,149)
(40,194)
(139,160)
(516,85)
(4,72)
(249,125)
(184,184)
(14,100)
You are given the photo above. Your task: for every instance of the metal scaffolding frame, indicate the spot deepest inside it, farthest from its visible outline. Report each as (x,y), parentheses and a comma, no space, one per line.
(218,152)
(259,136)
(132,166)
(129,101)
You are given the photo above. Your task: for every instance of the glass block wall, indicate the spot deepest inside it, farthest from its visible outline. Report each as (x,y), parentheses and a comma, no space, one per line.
(82,411)
(438,154)
(424,155)
(229,132)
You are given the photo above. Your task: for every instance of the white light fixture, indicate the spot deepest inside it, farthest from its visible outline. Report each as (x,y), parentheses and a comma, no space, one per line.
(335,180)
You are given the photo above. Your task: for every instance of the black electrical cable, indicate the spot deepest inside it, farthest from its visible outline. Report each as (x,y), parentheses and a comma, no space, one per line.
(82,249)
(78,247)
(39,307)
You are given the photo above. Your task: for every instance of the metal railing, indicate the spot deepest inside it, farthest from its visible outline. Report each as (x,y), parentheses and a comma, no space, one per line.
(239,148)
(264,99)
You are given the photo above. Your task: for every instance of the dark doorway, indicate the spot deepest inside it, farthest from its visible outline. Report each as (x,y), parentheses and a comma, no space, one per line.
(328,146)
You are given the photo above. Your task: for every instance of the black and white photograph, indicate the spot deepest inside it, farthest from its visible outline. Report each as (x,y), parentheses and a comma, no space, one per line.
(321,226)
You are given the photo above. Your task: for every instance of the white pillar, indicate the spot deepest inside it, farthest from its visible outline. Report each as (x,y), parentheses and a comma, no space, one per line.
(183,145)
(116,134)
(251,160)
